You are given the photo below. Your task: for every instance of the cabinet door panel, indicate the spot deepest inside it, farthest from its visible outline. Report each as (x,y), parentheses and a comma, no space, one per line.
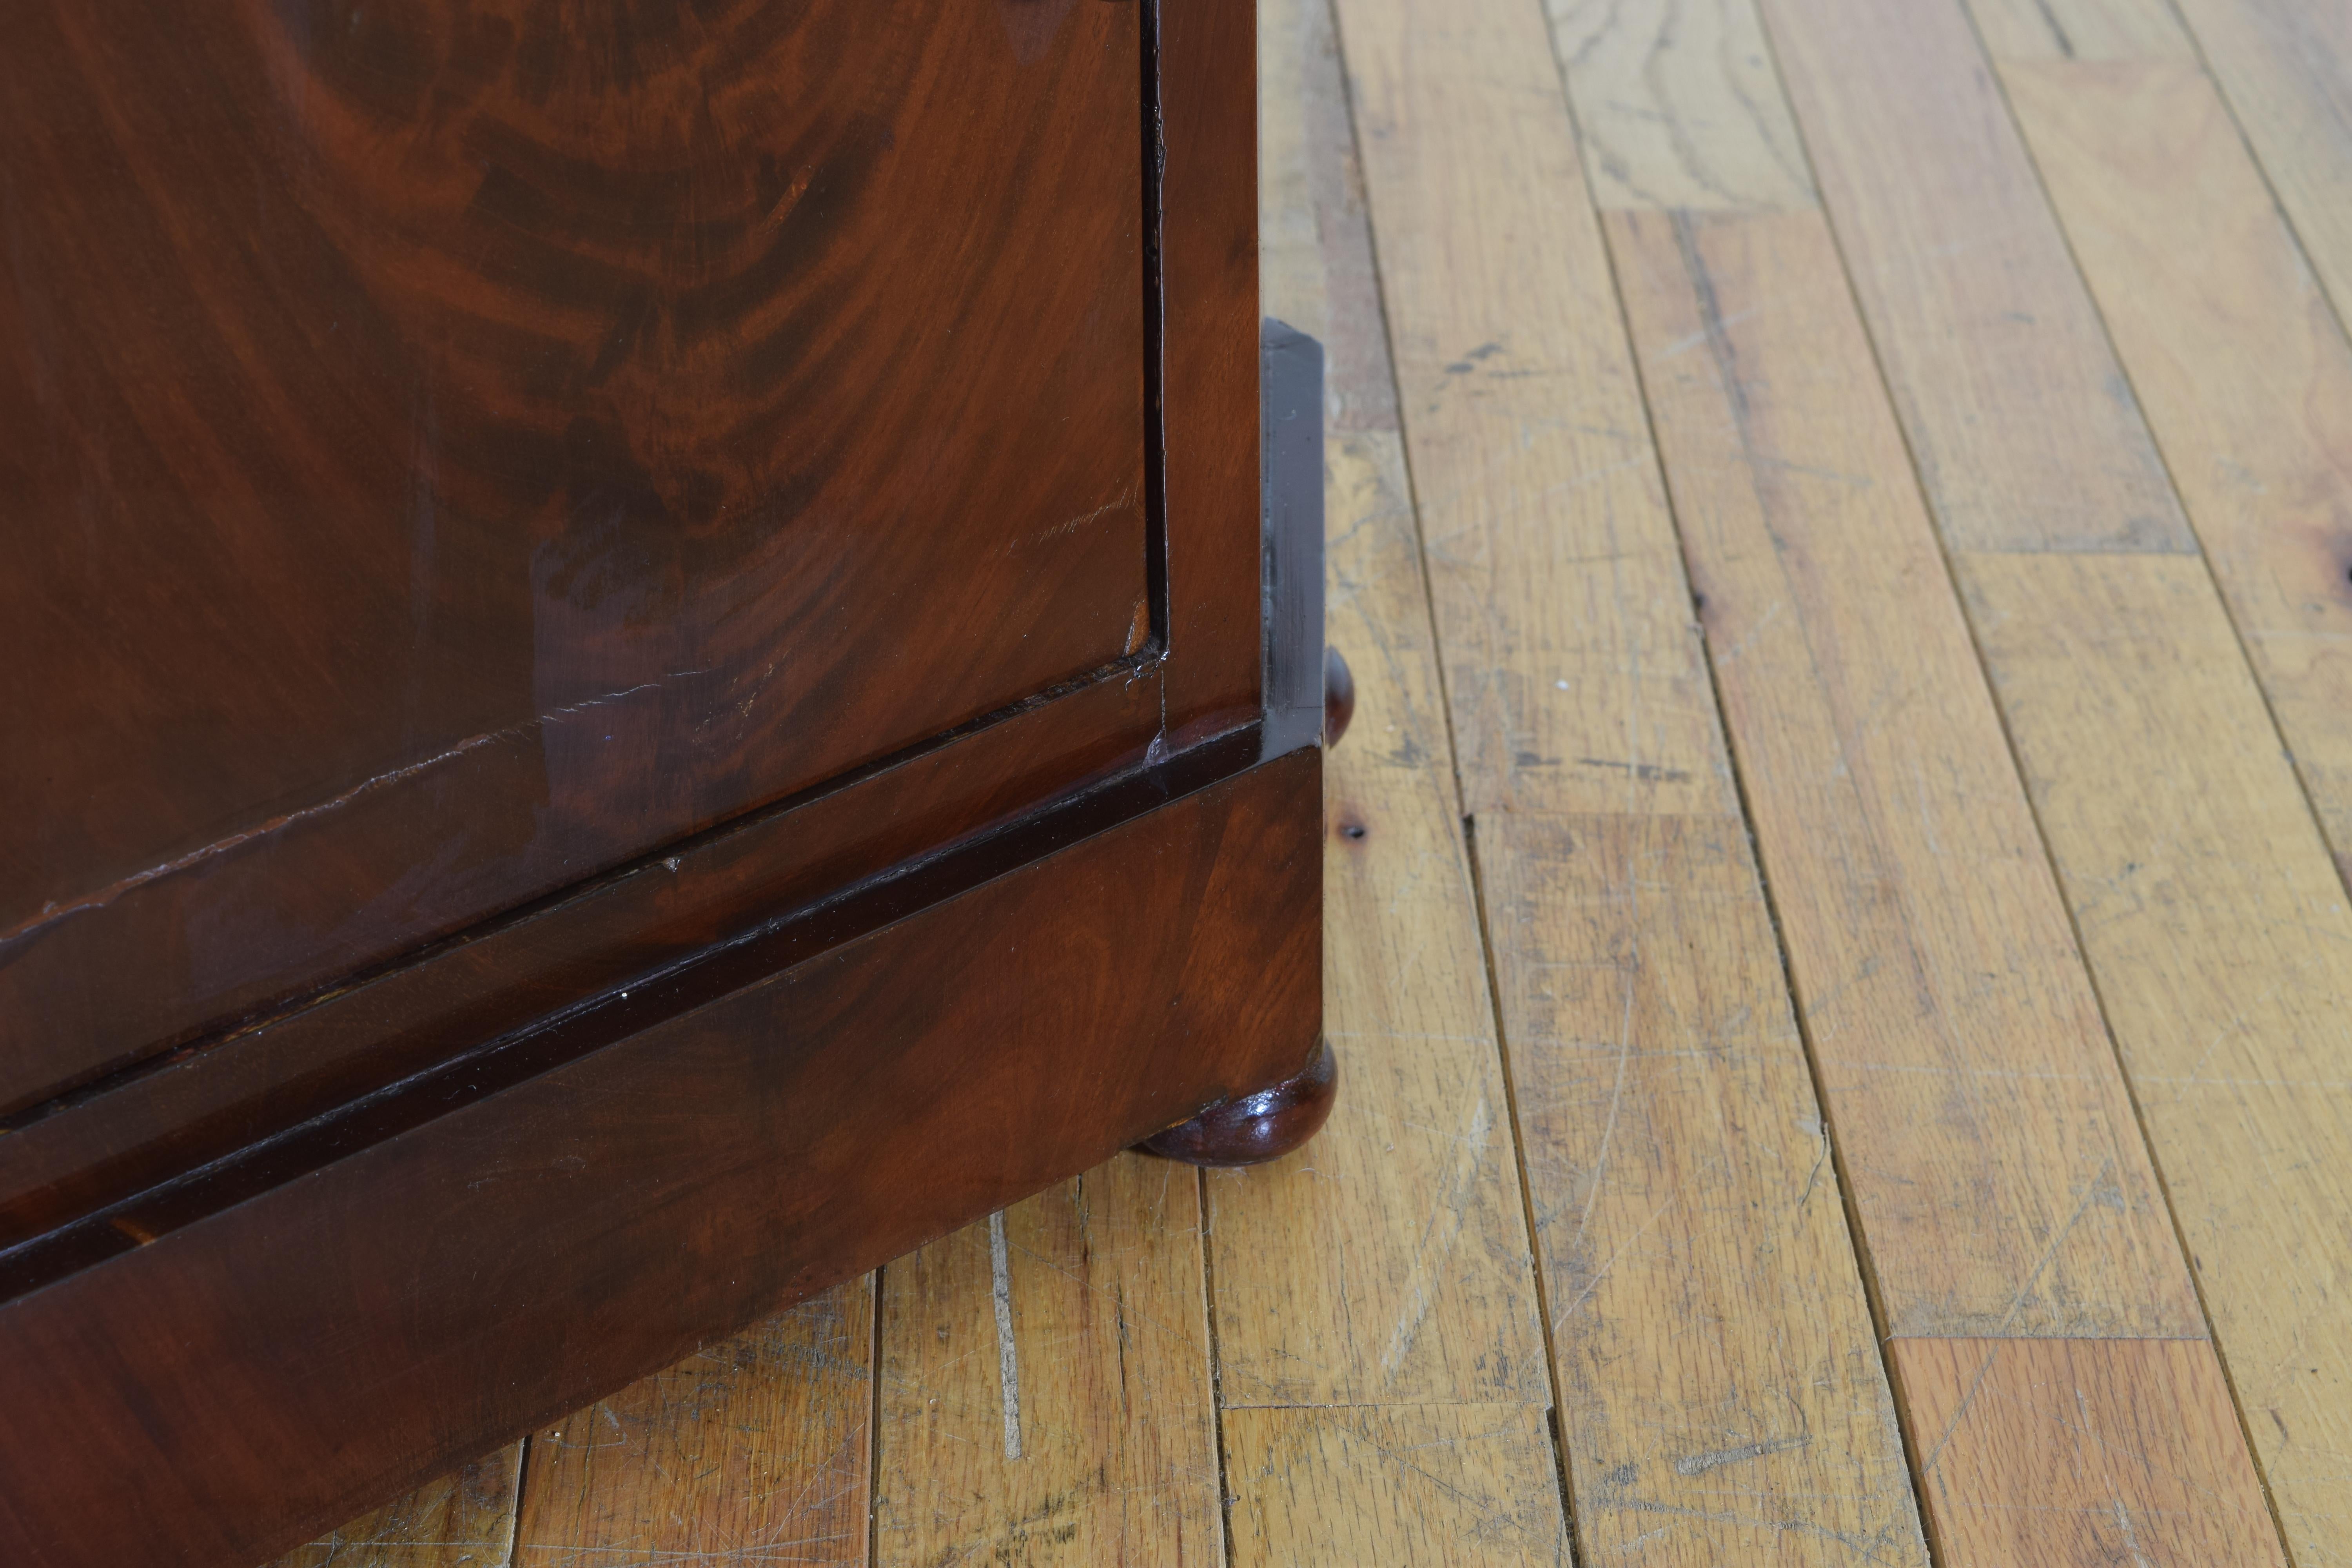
(448,448)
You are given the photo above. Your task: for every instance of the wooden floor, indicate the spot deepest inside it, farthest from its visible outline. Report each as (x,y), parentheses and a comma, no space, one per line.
(1841,515)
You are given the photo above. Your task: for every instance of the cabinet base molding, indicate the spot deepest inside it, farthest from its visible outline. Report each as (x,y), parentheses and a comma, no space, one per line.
(494,1243)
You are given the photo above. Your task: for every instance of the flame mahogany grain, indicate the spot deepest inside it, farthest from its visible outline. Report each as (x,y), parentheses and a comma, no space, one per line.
(508,1259)
(637,652)
(452,447)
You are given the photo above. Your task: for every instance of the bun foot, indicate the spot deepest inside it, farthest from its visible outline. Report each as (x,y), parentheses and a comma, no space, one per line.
(1338,695)
(1253,1128)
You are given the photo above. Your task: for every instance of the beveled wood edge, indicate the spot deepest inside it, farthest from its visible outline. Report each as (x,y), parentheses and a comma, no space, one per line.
(206,1101)
(92,1147)
(205,1356)
(483,1068)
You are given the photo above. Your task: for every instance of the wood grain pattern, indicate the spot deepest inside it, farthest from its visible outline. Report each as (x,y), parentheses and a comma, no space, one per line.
(2081,30)
(1387,1262)
(755,1449)
(206,1104)
(2286,69)
(1315,254)
(2220,939)
(2128,1450)
(1257,1127)
(2025,434)
(458,451)
(1206,131)
(1466,1486)
(1722,1396)
(1572,669)
(463,1520)
(1771,1351)
(1677,105)
(1045,1388)
(2002,1182)
(2245,374)
(600,1218)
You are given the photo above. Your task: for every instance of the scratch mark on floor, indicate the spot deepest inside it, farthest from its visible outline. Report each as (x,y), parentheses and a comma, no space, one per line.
(1699,1464)
(1438,1238)
(1008,1359)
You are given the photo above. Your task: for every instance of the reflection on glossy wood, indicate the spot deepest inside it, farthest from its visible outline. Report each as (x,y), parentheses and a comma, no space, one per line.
(453,448)
(206,1104)
(1207,132)
(1264,1124)
(1339,696)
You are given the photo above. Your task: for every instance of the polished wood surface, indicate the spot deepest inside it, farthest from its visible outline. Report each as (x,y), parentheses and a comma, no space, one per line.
(1264,1124)
(454,449)
(535,1240)
(1339,696)
(1206,126)
(642,650)
(200,1105)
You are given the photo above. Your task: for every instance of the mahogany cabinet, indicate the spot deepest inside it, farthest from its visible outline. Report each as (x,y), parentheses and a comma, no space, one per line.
(651,650)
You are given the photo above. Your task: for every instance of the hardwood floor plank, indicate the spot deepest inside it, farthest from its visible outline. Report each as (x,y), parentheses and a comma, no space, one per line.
(1572,668)
(1471,120)
(1723,1395)
(2245,374)
(464,1520)
(2082,30)
(1387,1262)
(2128,1450)
(2286,69)
(1677,106)
(1315,254)
(2025,434)
(1460,1486)
(2223,946)
(755,1449)
(2002,1181)
(1044,1391)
